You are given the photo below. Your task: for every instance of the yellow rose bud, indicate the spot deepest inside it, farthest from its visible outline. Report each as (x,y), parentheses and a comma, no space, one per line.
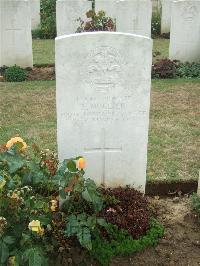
(11,261)
(54,205)
(81,163)
(35,226)
(16,140)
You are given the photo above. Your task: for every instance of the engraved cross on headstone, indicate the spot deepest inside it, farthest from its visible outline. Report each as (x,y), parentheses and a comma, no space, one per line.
(103,149)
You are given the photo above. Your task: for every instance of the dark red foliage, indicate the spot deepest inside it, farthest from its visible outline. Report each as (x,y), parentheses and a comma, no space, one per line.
(164,68)
(131,213)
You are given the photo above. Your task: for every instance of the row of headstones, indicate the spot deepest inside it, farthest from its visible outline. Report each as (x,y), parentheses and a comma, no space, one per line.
(182,20)
(16,41)
(131,16)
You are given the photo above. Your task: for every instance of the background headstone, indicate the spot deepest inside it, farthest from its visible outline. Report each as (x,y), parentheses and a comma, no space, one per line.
(15,33)
(103,82)
(130,16)
(67,13)
(166,15)
(35,14)
(185,31)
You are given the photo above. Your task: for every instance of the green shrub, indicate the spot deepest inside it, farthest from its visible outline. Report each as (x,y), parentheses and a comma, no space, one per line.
(15,74)
(155,25)
(188,70)
(37,34)
(48,18)
(120,243)
(196,203)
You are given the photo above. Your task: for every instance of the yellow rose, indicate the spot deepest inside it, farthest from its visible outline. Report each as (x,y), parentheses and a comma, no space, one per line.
(81,163)
(35,226)
(54,205)
(16,140)
(11,261)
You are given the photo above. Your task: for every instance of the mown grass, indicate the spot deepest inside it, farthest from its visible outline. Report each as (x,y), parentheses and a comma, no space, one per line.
(28,109)
(44,50)
(160,49)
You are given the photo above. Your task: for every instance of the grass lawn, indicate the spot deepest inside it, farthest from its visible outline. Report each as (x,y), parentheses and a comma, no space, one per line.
(44,52)
(28,109)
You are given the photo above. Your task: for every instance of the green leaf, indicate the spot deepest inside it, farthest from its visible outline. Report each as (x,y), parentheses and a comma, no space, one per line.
(71,165)
(102,222)
(62,193)
(90,194)
(15,164)
(84,238)
(9,240)
(4,252)
(34,256)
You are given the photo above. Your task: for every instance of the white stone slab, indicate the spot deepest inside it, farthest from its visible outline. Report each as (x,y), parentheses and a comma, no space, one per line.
(67,13)
(103,82)
(15,33)
(185,31)
(131,16)
(35,14)
(165,15)
(134,17)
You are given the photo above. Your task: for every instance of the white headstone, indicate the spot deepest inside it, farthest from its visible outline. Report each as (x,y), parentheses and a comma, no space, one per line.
(134,17)
(35,14)
(103,82)
(15,33)
(165,15)
(185,31)
(67,14)
(130,16)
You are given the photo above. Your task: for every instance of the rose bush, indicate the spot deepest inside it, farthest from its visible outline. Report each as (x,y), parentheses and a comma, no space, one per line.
(45,208)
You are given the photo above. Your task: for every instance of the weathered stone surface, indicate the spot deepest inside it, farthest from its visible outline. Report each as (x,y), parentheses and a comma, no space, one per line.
(67,13)
(35,14)
(185,31)
(130,16)
(165,15)
(15,33)
(103,97)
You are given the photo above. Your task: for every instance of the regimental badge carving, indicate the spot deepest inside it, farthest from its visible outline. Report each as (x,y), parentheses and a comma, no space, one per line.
(189,12)
(103,69)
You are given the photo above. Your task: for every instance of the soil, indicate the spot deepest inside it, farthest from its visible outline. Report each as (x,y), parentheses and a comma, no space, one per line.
(41,73)
(161,188)
(181,243)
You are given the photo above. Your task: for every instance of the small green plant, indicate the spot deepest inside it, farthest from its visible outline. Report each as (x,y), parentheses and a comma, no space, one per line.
(120,243)
(188,70)
(15,74)
(155,25)
(195,199)
(37,34)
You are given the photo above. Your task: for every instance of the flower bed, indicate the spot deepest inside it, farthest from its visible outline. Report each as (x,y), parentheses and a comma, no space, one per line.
(91,219)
